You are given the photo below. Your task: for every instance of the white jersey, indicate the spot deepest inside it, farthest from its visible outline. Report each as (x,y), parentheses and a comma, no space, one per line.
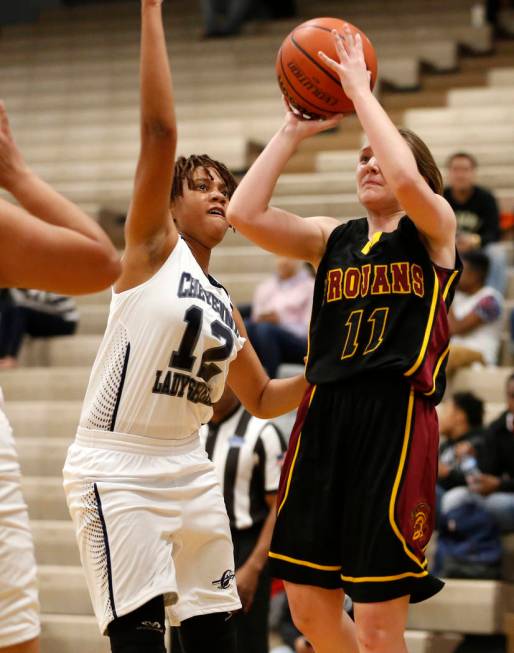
(165,354)
(487,303)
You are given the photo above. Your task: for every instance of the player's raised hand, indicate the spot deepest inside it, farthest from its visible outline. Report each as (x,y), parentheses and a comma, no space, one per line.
(351,67)
(12,164)
(302,127)
(151,3)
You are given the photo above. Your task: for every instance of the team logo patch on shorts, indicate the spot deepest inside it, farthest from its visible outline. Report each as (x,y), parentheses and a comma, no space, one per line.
(151,625)
(226,579)
(420,524)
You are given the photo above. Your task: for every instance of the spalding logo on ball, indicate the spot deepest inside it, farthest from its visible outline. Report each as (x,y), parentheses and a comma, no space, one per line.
(310,87)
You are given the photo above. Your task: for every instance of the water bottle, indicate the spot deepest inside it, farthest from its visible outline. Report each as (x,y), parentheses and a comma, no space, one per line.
(469,468)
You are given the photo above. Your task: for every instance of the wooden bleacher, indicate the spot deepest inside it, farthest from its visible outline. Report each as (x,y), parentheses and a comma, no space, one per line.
(70,82)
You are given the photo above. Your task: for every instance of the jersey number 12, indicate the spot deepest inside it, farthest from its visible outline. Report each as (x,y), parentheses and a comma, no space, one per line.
(183,358)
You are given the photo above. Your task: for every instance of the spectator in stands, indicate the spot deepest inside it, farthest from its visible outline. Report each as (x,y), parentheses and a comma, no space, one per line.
(281,311)
(461,422)
(225,17)
(281,8)
(475,319)
(493,485)
(35,313)
(247,455)
(477,216)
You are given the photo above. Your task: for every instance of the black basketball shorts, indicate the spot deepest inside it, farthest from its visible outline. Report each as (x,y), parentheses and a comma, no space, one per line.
(356,504)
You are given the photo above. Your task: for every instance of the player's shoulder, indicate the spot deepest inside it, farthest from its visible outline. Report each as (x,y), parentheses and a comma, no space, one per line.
(345,229)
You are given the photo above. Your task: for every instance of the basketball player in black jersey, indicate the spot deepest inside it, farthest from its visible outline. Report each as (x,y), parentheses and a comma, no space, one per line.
(356,503)
(49,243)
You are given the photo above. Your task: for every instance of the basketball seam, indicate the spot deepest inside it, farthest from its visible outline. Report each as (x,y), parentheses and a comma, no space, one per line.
(318,65)
(315,106)
(365,39)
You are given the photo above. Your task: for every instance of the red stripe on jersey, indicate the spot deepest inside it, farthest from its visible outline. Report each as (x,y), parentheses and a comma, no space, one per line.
(430,375)
(415,504)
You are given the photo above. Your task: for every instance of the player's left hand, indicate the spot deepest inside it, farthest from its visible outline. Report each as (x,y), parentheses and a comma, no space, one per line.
(12,164)
(247,579)
(351,67)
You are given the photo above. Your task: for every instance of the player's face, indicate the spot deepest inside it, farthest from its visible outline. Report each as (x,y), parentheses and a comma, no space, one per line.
(461,173)
(200,213)
(372,189)
(468,280)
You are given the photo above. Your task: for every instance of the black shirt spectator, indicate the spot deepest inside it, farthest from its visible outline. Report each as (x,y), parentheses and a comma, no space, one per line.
(475,207)
(461,423)
(476,215)
(498,458)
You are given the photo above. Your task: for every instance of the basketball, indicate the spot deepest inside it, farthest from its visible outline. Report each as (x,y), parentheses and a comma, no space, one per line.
(311,88)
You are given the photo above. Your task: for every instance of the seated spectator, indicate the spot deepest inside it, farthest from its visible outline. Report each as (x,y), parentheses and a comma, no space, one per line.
(225,17)
(477,215)
(461,422)
(34,313)
(475,318)
(492,486)
(281,311)
(247,454)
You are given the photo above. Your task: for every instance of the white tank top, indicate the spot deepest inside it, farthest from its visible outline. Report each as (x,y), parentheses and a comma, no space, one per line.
(165,354)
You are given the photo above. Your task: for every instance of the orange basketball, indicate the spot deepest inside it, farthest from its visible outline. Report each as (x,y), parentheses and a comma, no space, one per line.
(310,87)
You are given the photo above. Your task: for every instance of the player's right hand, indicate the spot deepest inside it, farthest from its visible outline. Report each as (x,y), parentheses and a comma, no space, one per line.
(12,164)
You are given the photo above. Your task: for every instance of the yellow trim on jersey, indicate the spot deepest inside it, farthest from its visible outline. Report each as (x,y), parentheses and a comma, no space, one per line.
(428,329)
(449,283)
(303,563)
(373,241)
(436,370)
(308,347)
(399,473)
(290,476)
(383,579)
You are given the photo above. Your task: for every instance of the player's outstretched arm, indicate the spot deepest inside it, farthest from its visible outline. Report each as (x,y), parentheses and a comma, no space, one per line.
(430,212)
(148,224)
(260,395)
(278,231)
(48,242)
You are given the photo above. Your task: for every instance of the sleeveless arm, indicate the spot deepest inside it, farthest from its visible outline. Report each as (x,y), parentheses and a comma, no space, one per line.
(49,243)
(260,395)
(429,211)
(273,229)
(148,219)
(53,257)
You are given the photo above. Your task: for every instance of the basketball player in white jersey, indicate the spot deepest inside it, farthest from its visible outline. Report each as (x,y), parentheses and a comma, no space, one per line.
(150,518)
(45,243)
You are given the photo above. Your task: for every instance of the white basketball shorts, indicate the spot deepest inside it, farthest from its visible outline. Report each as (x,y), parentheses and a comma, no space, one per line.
(19,607)
(150,520)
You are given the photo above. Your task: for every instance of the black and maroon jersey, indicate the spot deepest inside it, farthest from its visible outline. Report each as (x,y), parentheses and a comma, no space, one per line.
(380,305)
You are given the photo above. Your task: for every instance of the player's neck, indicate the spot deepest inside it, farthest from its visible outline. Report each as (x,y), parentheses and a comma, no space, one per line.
(385,221)
(201,253)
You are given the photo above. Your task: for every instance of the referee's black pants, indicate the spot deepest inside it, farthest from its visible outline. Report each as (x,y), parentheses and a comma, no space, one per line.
(18,321)
(252,627)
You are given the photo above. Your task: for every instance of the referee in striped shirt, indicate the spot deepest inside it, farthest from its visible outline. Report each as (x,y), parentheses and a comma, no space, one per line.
(247,453)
